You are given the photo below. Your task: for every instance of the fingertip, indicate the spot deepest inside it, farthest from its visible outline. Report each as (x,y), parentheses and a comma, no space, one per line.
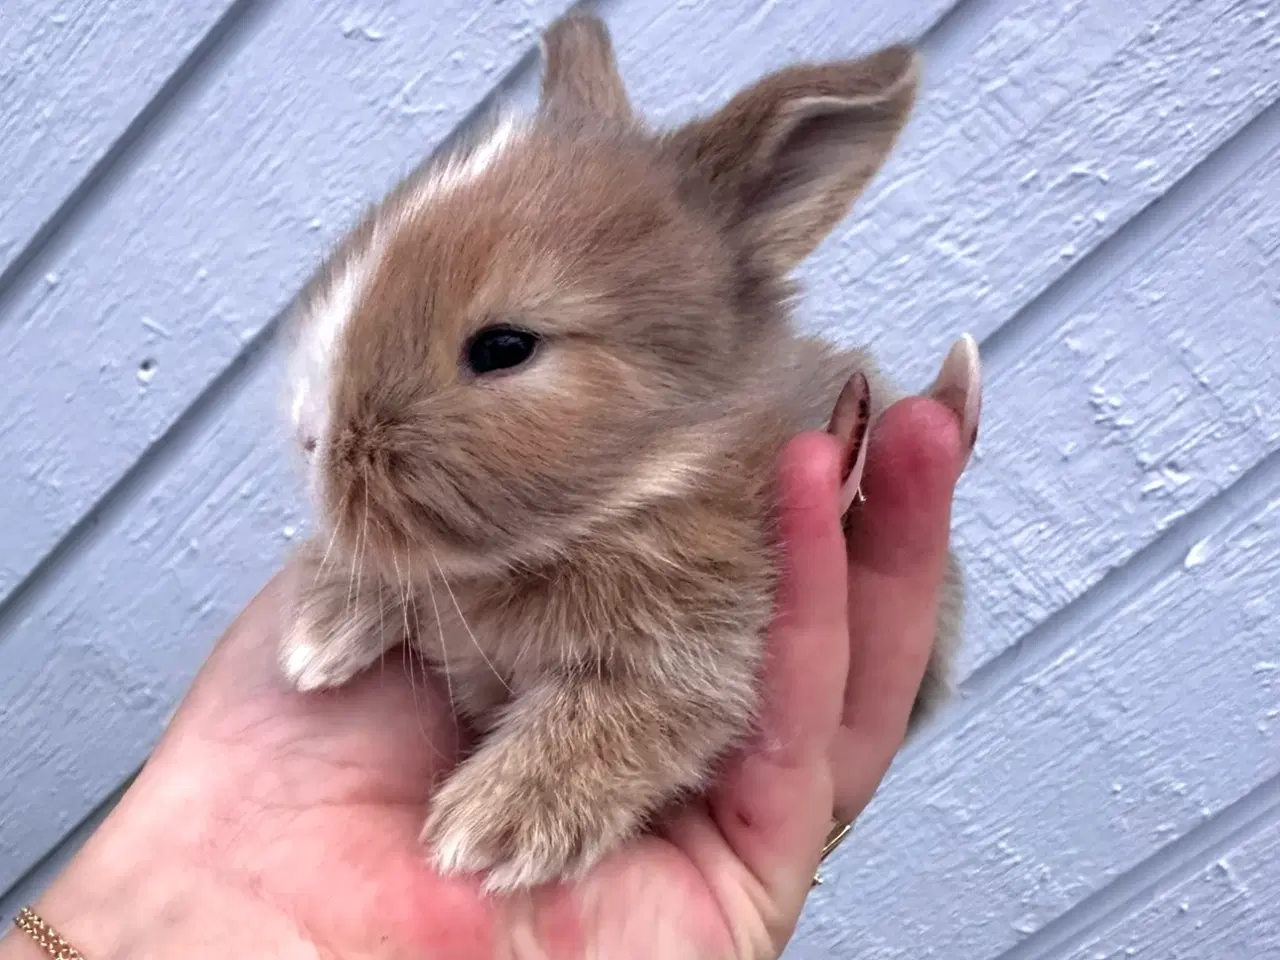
(917,455)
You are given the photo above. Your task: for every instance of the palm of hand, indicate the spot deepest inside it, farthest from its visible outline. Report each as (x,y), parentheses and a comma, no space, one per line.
(318,802)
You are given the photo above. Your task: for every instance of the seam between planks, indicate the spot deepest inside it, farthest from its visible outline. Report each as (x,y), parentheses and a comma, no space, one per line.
(1168,866)
(960,27)
(88,824)
(1144,232)
(162,454)
(1218,516)
(220,38)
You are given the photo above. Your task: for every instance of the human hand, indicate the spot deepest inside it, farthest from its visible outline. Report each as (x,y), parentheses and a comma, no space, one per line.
(273,824)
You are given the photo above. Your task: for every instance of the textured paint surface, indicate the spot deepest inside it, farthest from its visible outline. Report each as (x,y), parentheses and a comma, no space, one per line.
(1092,187)
(77,80)
(1224,909)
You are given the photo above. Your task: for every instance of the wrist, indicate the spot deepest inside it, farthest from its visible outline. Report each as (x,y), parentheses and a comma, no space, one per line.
(135,891)
(105,905)
(109,914)
(16,945)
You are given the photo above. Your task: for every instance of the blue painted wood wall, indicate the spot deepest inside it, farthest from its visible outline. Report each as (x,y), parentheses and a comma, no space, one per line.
(1091,186)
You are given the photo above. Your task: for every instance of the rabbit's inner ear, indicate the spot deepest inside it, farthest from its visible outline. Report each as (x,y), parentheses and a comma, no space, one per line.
(786,158)
(579,74)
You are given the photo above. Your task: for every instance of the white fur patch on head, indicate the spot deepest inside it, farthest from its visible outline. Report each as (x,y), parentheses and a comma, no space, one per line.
(463,167)
(329,313)
(311,364)
(326,316)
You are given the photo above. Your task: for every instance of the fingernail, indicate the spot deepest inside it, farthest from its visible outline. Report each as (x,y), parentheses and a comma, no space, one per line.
(850,423)
(959,387)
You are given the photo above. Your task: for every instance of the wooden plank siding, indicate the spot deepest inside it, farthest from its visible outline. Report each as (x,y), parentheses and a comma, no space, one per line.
(1092,187)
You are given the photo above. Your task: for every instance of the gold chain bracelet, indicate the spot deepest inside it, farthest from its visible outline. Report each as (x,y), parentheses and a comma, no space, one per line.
(48,939)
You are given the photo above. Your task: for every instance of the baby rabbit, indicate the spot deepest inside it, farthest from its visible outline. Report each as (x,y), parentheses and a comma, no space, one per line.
(541,391)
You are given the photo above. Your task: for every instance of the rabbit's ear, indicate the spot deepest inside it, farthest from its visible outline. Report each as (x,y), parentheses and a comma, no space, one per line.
(786,157)
(579,73)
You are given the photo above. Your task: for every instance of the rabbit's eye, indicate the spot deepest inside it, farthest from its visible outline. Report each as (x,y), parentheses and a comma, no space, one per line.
(500,348)
(309,445)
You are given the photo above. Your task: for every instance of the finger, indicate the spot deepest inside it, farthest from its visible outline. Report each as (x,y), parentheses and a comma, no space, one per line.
(897,557)
(801,703)
(774,806)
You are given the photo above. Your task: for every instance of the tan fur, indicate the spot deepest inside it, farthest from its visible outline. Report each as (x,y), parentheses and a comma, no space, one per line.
(583,545)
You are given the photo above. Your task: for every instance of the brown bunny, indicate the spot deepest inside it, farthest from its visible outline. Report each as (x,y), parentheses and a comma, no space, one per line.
(541,390)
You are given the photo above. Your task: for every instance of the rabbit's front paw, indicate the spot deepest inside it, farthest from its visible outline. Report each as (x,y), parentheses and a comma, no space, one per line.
(520,827)
(334,631)
(313,661)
